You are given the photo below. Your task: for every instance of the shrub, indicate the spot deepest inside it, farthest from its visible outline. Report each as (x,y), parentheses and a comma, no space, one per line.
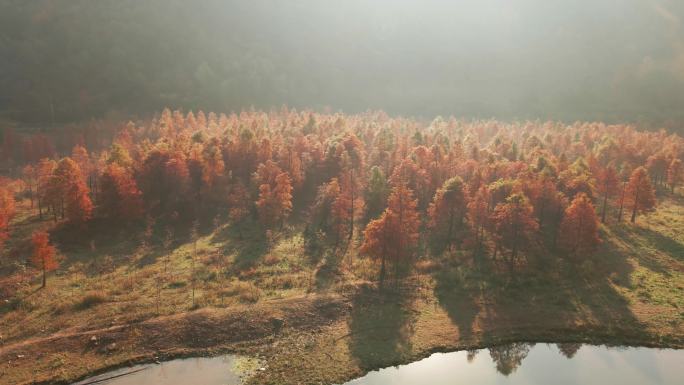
(91,299)
(177,284)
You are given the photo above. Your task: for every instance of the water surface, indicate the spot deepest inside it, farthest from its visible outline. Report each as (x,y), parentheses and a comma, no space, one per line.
(524,363)
(187,371)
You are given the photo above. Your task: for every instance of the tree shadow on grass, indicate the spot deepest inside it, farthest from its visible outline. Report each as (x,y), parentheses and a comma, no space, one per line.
(456,294)
(556,296)
(381,326)
(95,241)
(246,240)
(671,247)
(103,244)
(643,244)
(328,272)
(591,287)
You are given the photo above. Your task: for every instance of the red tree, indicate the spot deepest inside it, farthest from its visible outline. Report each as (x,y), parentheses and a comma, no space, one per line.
(394,235)
(448,208)
(73,190)
(348,205)
(674,174)
(119,196)
(30,176)
(478,214)
(640,194)
(7,211)
(46,188)
(514,223)
(275,200)
(579,229)
(608,185)
(44,254)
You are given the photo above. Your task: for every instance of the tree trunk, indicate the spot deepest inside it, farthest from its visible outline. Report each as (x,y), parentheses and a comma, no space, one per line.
(44,276)
(622,201)
(603,211)
(451,226)
(636,204)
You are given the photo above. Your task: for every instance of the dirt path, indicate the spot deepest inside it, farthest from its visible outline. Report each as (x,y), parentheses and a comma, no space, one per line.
(65,356)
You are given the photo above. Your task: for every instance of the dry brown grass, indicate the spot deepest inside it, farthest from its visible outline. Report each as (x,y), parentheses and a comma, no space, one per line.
(245,291)
(640,291)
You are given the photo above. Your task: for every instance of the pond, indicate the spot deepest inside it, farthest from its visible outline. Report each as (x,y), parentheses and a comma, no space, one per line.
(524,363)
(518,363)
(198,371)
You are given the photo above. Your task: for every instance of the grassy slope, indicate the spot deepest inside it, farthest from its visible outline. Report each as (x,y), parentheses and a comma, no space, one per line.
(336,326)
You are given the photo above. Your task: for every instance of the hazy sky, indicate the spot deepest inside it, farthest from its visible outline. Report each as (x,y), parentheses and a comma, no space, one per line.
(615,60)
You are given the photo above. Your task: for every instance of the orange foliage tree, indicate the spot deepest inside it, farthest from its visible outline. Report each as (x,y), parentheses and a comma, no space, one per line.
(674,174)
(275,200)
(7,211)
(514,224)
(448,209)
(478,215)
(608,185)
(44,254)
(119,196)
(579,229)
(640,194)
(74,192)
(394,236)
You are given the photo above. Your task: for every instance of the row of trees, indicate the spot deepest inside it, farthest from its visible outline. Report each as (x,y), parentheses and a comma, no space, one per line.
(401,184)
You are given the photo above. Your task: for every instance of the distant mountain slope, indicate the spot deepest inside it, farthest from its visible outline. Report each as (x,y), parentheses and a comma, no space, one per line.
(613,60)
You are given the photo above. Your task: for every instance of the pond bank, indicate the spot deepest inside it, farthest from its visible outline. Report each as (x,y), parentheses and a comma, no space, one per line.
(321,338)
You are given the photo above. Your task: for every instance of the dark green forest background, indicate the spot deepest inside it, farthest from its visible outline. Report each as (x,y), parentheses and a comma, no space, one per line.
(610,60)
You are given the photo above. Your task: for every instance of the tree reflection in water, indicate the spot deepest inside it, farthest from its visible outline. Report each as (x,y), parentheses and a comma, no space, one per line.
(509,357)
(470,355)
(569,349)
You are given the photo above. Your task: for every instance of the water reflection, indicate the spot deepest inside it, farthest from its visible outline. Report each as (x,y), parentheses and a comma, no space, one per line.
(528,363)
(509,357)
(200,371)
(569,349)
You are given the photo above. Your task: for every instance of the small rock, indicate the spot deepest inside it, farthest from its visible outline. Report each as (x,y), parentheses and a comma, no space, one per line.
(262,369)
(20,356)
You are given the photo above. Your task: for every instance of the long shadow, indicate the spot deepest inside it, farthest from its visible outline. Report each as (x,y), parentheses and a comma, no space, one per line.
(120,242)
(592,291)
(557,295)
(91,243)
(381,326)
(456,294)
(640,241)
(329,272)
(672,247)
(246,240)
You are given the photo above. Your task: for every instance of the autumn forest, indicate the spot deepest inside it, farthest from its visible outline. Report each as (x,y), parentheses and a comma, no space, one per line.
(229,192)
(497,190)
(370,197)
